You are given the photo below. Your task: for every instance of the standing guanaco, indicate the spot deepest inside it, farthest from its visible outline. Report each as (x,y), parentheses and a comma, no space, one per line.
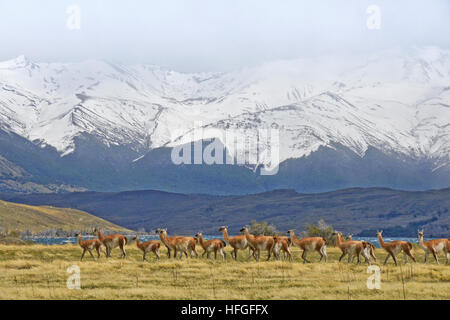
(308,244)
(394,247)
(435,246)
(238,242)
(178,244)
(89,245)
(169,242)
(259,243)
(282,243)
(448,250)
(185,245)
(112,241)
(351,247)
(368,247)
(147,246)
(212,245)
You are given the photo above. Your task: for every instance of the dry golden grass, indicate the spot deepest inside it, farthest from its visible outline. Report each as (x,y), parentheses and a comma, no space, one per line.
(39,272)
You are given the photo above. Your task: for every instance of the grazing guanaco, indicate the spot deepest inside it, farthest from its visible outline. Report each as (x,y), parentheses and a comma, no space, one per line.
(178,244)
(434,246)
(238,242)
(308,244)
(282,243)
(147,246)
(259,243)
(89,245)
(112,241)
(351,247)
(212,245)
(368,247)
(395,247)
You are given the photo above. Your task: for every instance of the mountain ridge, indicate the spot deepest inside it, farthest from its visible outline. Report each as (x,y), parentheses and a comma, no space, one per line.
(67,99)
(395,101)
(360,211)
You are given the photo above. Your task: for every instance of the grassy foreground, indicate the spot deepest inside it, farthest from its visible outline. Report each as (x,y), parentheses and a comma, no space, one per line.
(40,272)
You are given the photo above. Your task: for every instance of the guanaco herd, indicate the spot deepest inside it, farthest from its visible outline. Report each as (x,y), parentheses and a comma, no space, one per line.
(186,246)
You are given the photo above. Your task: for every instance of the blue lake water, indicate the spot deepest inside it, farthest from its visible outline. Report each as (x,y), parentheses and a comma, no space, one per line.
(66,240)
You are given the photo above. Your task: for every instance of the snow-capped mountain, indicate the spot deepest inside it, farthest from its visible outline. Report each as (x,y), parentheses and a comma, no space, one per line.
(396,101)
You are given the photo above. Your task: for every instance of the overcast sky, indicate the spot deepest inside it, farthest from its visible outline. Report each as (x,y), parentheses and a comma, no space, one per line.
(215,35)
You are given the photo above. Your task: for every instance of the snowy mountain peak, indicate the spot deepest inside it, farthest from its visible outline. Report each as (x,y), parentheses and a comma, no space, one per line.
(18,62)
(397,101)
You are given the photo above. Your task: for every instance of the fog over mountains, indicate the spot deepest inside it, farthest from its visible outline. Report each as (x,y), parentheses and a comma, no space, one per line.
(379,120)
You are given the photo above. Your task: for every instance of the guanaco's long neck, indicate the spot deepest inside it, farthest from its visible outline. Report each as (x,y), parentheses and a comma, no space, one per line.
(100,235)
(248,236)
(226,237)
(201,240)
(339,239)
(164,239)
(294,238)
(291,236)
(422,242)
(380,238)
(138,242)
(80,242)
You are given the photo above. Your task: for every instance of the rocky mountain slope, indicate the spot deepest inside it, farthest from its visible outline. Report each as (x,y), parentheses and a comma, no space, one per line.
(119,122)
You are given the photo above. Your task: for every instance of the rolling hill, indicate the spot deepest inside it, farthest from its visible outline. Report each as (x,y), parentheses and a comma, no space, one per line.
(22,217)
(360,211)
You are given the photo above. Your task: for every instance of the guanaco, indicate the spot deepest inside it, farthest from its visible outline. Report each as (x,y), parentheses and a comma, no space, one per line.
(308,244)
(238,242)
(259,243)
(395,247)
(448,249)
(368,247)
(185,245)
(147,246)
(178,244)
(351,248)
(282,243)
(89,245)
(111,241)
(435,246)
(212,245)
(169,242)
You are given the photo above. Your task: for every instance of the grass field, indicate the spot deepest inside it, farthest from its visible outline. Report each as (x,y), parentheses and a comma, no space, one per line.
(40,272)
